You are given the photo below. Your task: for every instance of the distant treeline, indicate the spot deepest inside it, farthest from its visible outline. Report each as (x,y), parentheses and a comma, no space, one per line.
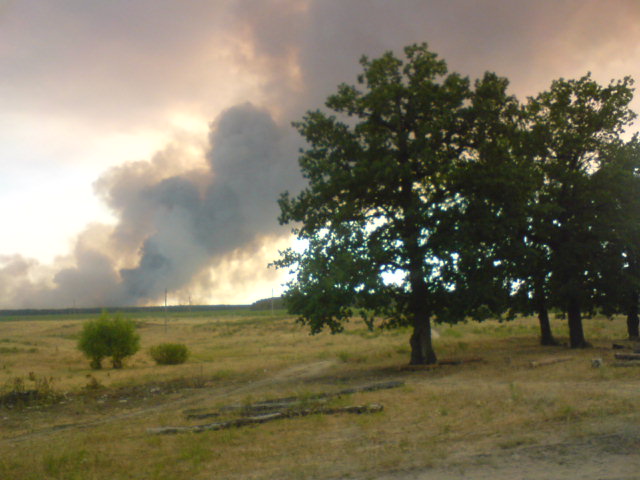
(275,303)
(91,311)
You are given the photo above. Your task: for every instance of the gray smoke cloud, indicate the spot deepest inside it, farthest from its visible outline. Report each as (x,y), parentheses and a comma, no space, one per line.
(174,228)
(199,222)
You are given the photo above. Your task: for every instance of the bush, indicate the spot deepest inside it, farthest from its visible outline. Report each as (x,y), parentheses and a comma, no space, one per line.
(109,337)
(169,353)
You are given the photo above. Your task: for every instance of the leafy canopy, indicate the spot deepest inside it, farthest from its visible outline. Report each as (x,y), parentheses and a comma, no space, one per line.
(474,203)
(381,197)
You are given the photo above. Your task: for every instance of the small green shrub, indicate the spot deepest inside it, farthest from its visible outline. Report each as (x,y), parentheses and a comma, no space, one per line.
(107,336)
(169,353)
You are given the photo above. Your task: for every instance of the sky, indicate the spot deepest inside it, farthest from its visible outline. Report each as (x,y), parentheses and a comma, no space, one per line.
(144,143)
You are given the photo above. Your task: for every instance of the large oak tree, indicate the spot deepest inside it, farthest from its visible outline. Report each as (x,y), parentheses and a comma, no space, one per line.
(381,199)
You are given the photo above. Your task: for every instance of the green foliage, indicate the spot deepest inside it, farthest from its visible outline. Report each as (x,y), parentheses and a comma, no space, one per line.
(108,336)
(478,205)
(169,353)
(379,199)
(573,135)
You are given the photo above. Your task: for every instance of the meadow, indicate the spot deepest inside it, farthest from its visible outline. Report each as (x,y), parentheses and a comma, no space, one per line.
(496,397)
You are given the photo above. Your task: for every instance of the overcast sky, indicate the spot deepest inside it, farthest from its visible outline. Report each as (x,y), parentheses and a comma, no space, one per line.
(143,143)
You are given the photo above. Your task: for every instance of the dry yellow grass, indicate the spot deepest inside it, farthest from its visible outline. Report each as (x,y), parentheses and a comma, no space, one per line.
(441,413)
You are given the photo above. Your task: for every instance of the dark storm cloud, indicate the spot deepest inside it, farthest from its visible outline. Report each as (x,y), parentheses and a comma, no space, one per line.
(118,59)
(531,43)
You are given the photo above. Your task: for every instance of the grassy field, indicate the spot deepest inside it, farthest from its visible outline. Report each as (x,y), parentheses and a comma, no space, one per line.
(496,390)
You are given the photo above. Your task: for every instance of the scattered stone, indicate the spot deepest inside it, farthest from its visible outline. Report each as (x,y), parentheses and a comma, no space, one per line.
(597,362)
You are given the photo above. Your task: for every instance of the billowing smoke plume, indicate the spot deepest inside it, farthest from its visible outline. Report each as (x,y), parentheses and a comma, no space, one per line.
(197,221)
(179,219)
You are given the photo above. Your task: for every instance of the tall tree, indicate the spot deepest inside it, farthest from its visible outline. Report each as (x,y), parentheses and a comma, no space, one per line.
(379,199)
(574,126)
(618,281)
(501,269)
(494,184)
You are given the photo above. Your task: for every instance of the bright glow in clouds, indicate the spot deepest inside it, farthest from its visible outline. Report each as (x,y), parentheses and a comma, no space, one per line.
(143,145)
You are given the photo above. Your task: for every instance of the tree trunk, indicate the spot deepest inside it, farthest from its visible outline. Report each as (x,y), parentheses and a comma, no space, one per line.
(576,334)
(546,336)
(633,322)
(422,352)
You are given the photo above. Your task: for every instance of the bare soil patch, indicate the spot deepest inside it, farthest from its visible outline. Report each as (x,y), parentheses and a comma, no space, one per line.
(611,456)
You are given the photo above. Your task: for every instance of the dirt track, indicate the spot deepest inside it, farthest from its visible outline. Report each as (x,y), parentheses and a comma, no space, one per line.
(613,456)
(191,397)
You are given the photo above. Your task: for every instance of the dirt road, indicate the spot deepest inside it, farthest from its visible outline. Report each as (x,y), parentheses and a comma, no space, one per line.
(602,457)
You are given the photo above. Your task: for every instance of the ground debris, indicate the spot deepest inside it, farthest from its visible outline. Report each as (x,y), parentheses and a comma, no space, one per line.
(627,356)
(445,362)
(626,363)
(548,361)
(626,344)
(19,398)
(278,404)
(267,417)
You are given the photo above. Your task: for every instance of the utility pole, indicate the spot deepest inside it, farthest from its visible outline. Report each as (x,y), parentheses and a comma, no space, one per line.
(165,310)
